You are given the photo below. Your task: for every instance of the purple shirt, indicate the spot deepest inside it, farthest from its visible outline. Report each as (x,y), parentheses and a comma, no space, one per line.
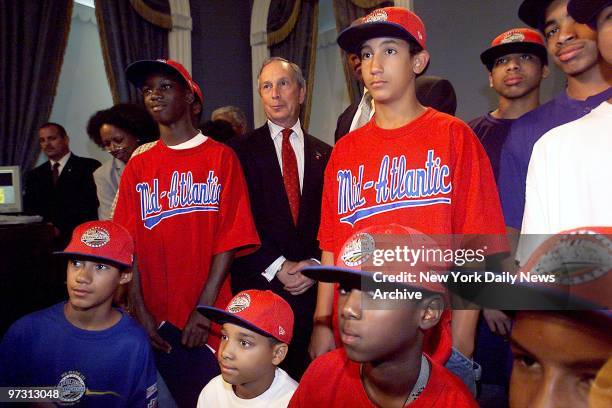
(492,133)
(524,133)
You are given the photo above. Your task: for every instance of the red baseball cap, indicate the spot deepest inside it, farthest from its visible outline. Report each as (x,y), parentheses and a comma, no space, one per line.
(102,240)
(396,22)
(138,71)
(264,312)
(356,264)
(586,11)
(516,40)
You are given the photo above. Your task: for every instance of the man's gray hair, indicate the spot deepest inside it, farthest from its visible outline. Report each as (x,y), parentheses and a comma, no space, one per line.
(234,112)
(296,70)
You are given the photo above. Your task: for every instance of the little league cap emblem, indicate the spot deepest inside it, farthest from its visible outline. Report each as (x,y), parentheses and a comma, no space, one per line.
(358,250)
(376,15)
(239,303)
(95,237)
(513,36)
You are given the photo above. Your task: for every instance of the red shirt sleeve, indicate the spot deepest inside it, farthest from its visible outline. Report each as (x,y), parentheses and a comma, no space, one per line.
(328,207)
(477,210)
(236,228)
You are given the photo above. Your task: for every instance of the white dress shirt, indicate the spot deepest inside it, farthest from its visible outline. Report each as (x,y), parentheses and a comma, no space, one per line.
(362,105)
(62,163)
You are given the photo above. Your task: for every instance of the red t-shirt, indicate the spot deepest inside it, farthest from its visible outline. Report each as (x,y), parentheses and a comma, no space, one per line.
(183,207)
(332,380)
(431,175)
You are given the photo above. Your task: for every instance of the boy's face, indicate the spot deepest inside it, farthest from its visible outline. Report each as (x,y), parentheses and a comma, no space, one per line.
(245,356)
(571,45)
(556,359)
(377,330)
(516,75)
(604,34)
(92,283)
(167,98)
(388,69)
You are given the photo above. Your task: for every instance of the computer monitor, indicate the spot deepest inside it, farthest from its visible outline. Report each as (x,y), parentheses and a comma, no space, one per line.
(10,190)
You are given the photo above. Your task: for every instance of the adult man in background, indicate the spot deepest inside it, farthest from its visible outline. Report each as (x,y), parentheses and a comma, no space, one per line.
(283,167)
(62,189)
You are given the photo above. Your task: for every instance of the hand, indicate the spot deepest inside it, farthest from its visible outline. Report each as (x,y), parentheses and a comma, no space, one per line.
(196,330)
(290,275)
(321,340)
(147,321)
(498,321)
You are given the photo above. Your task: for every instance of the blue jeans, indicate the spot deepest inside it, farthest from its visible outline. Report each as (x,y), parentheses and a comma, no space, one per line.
(465,368)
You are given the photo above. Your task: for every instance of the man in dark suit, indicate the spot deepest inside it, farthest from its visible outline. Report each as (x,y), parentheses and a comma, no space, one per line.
(284,169)
(61,190)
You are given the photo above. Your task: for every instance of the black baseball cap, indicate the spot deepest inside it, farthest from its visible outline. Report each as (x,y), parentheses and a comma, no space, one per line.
(586,11)
(532,12)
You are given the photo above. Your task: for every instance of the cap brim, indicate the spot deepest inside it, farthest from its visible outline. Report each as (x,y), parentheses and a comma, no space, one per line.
(93,258)
(489,56)
(354,279)
(138,71)
(222,316)
(532,12)
(352,38)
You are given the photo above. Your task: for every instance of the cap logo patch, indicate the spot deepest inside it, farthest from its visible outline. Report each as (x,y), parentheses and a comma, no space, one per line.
(376,15)
(358,250)
(95,237)
(578,260)
(281,331)
(239,303)
(513,37)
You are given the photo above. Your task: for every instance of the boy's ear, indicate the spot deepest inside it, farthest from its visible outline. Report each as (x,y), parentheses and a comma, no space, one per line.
(189,97)
(126,276)
(420,62)
(279,352)
(431,311)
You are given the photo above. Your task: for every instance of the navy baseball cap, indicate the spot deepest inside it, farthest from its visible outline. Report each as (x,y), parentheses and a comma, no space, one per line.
(586,11)
(395,22)
(532,12)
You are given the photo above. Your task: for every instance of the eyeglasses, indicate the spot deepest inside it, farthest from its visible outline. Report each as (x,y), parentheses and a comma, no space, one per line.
(114,145)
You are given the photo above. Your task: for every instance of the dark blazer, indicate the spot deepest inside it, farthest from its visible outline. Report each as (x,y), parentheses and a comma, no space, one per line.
(344,121)
(430,91)
(278,235)
(69,203)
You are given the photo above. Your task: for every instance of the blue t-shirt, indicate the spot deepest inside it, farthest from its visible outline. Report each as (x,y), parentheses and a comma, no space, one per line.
(524,133)
(492,133)
(108,368)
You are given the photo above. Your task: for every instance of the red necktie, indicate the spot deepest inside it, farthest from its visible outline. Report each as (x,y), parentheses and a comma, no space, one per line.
(290,175)
(55,172)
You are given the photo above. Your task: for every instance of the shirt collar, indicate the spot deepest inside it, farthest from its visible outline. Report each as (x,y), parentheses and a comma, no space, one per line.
(275,130)
(62,162)
(193,142)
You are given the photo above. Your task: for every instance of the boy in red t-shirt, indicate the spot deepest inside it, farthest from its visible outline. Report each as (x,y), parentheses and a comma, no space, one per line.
(409,165)
(384,361)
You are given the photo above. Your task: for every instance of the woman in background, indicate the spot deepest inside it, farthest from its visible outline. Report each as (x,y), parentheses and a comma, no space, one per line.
(118,130)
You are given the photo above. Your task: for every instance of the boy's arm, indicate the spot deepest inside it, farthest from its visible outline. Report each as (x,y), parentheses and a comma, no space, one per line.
(142,314)
(322,338)
(196,330)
